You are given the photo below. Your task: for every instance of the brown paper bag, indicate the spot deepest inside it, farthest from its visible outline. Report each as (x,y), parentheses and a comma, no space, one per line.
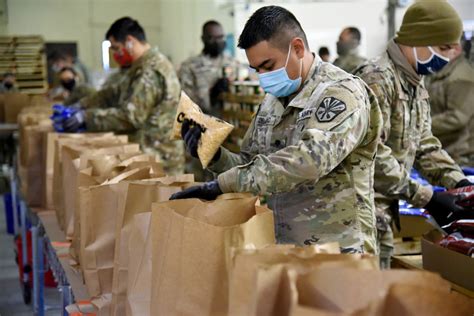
(70,171)
(346,290)
(32,164)
(139,197)
(14,103)
(51,154)
(96,169)
(58,186)
(139,266)
(191,246)
(247,261)
(98,210)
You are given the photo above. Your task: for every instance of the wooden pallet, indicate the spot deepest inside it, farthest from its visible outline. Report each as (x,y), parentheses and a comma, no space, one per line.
(24,56)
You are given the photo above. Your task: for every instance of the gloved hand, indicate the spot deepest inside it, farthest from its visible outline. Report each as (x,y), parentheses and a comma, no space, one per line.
(444,209)
(463,183)
(74,122)
(191,134)
(222,85)
(207,191)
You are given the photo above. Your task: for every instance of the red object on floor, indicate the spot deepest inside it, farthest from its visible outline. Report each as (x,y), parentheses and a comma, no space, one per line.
(48,276)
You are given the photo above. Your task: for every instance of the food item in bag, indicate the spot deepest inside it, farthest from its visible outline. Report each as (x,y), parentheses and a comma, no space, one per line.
(214,130)
(466,196)
(459,243)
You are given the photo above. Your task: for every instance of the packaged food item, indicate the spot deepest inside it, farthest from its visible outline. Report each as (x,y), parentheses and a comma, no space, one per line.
(214,131)
(466,196)
(457,242)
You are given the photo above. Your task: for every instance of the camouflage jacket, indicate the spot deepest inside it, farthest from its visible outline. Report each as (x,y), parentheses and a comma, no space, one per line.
(349,62)
(452,109)
(80,91)
(143,106)
(200,73)
(115,78)
(315,158)
(407,140)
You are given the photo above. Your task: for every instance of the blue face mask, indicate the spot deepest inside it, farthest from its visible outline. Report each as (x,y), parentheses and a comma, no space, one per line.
(433,64)
(278,83)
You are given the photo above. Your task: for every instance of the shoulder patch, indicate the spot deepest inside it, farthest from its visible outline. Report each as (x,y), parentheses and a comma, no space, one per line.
(329,108)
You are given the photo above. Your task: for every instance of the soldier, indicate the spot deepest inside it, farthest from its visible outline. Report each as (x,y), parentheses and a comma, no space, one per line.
(203,76)
(116,77)
(347,49)
(8,83)
(143,105)
(451,96)
(396,77)
(74,89)
(311,146)
(324,54)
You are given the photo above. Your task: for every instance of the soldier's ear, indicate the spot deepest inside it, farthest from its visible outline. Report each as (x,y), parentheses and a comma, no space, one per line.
(298,46)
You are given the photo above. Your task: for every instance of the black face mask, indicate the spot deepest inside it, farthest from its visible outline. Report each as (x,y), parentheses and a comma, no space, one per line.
(214,49)
(68,84)
(8,85)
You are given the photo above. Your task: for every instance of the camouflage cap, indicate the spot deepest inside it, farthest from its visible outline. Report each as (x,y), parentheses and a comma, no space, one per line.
(430,23)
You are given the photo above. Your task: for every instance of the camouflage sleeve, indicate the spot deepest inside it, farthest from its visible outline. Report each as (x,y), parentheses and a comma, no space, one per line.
(459,109)
(188,83)
(321,148)
(78,93)
(391,178)
(104,98)
(228,160)
(432,161)
(146,92)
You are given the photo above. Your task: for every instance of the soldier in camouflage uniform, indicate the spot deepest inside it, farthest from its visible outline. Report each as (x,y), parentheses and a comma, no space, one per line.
(347,49)
(311,146)
(452,108)
(115,78)
(396,78)
(204,76)
(144,104)
(75,90)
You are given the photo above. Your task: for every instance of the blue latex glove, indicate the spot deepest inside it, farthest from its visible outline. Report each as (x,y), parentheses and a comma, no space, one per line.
(68,119)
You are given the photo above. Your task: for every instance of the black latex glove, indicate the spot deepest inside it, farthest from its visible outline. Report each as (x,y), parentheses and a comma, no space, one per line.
(444,209)
(191,134)
(222,85)
(463,183)
(75,122)
(207,191)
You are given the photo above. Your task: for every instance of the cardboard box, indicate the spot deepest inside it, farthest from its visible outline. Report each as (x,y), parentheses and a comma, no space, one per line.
(412,226)
(452,266)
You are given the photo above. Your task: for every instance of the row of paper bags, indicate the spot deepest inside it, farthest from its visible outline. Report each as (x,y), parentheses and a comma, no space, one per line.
(140,254)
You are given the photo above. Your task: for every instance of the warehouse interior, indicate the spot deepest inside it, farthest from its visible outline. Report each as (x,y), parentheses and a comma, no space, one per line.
(236,157)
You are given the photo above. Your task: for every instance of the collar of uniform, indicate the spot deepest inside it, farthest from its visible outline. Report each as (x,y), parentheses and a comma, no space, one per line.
(206,59)
(299,100)
(142,60)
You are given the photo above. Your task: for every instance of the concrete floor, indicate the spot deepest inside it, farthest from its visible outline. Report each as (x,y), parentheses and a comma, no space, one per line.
(11,298)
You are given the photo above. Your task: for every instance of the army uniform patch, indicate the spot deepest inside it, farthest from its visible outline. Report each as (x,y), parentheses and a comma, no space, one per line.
(329,108)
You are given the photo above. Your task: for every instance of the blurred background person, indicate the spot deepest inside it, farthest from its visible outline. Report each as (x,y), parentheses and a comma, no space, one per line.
(74,89)
(324,53)
(8,83)
(347,50)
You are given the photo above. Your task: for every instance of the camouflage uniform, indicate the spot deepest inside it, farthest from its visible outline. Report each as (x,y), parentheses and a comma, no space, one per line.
(407,141)
(115,78)
(315,157)
(200,73)
(143,106)
(452,109)
(80,91)
(350,61)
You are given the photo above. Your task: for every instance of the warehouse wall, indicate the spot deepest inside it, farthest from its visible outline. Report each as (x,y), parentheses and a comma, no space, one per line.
(173,25)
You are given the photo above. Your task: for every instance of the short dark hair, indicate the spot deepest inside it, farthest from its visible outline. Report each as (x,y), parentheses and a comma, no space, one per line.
(64,69)
(354,32)
(123,27)
(271,23)
(208,24)
(323,50)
